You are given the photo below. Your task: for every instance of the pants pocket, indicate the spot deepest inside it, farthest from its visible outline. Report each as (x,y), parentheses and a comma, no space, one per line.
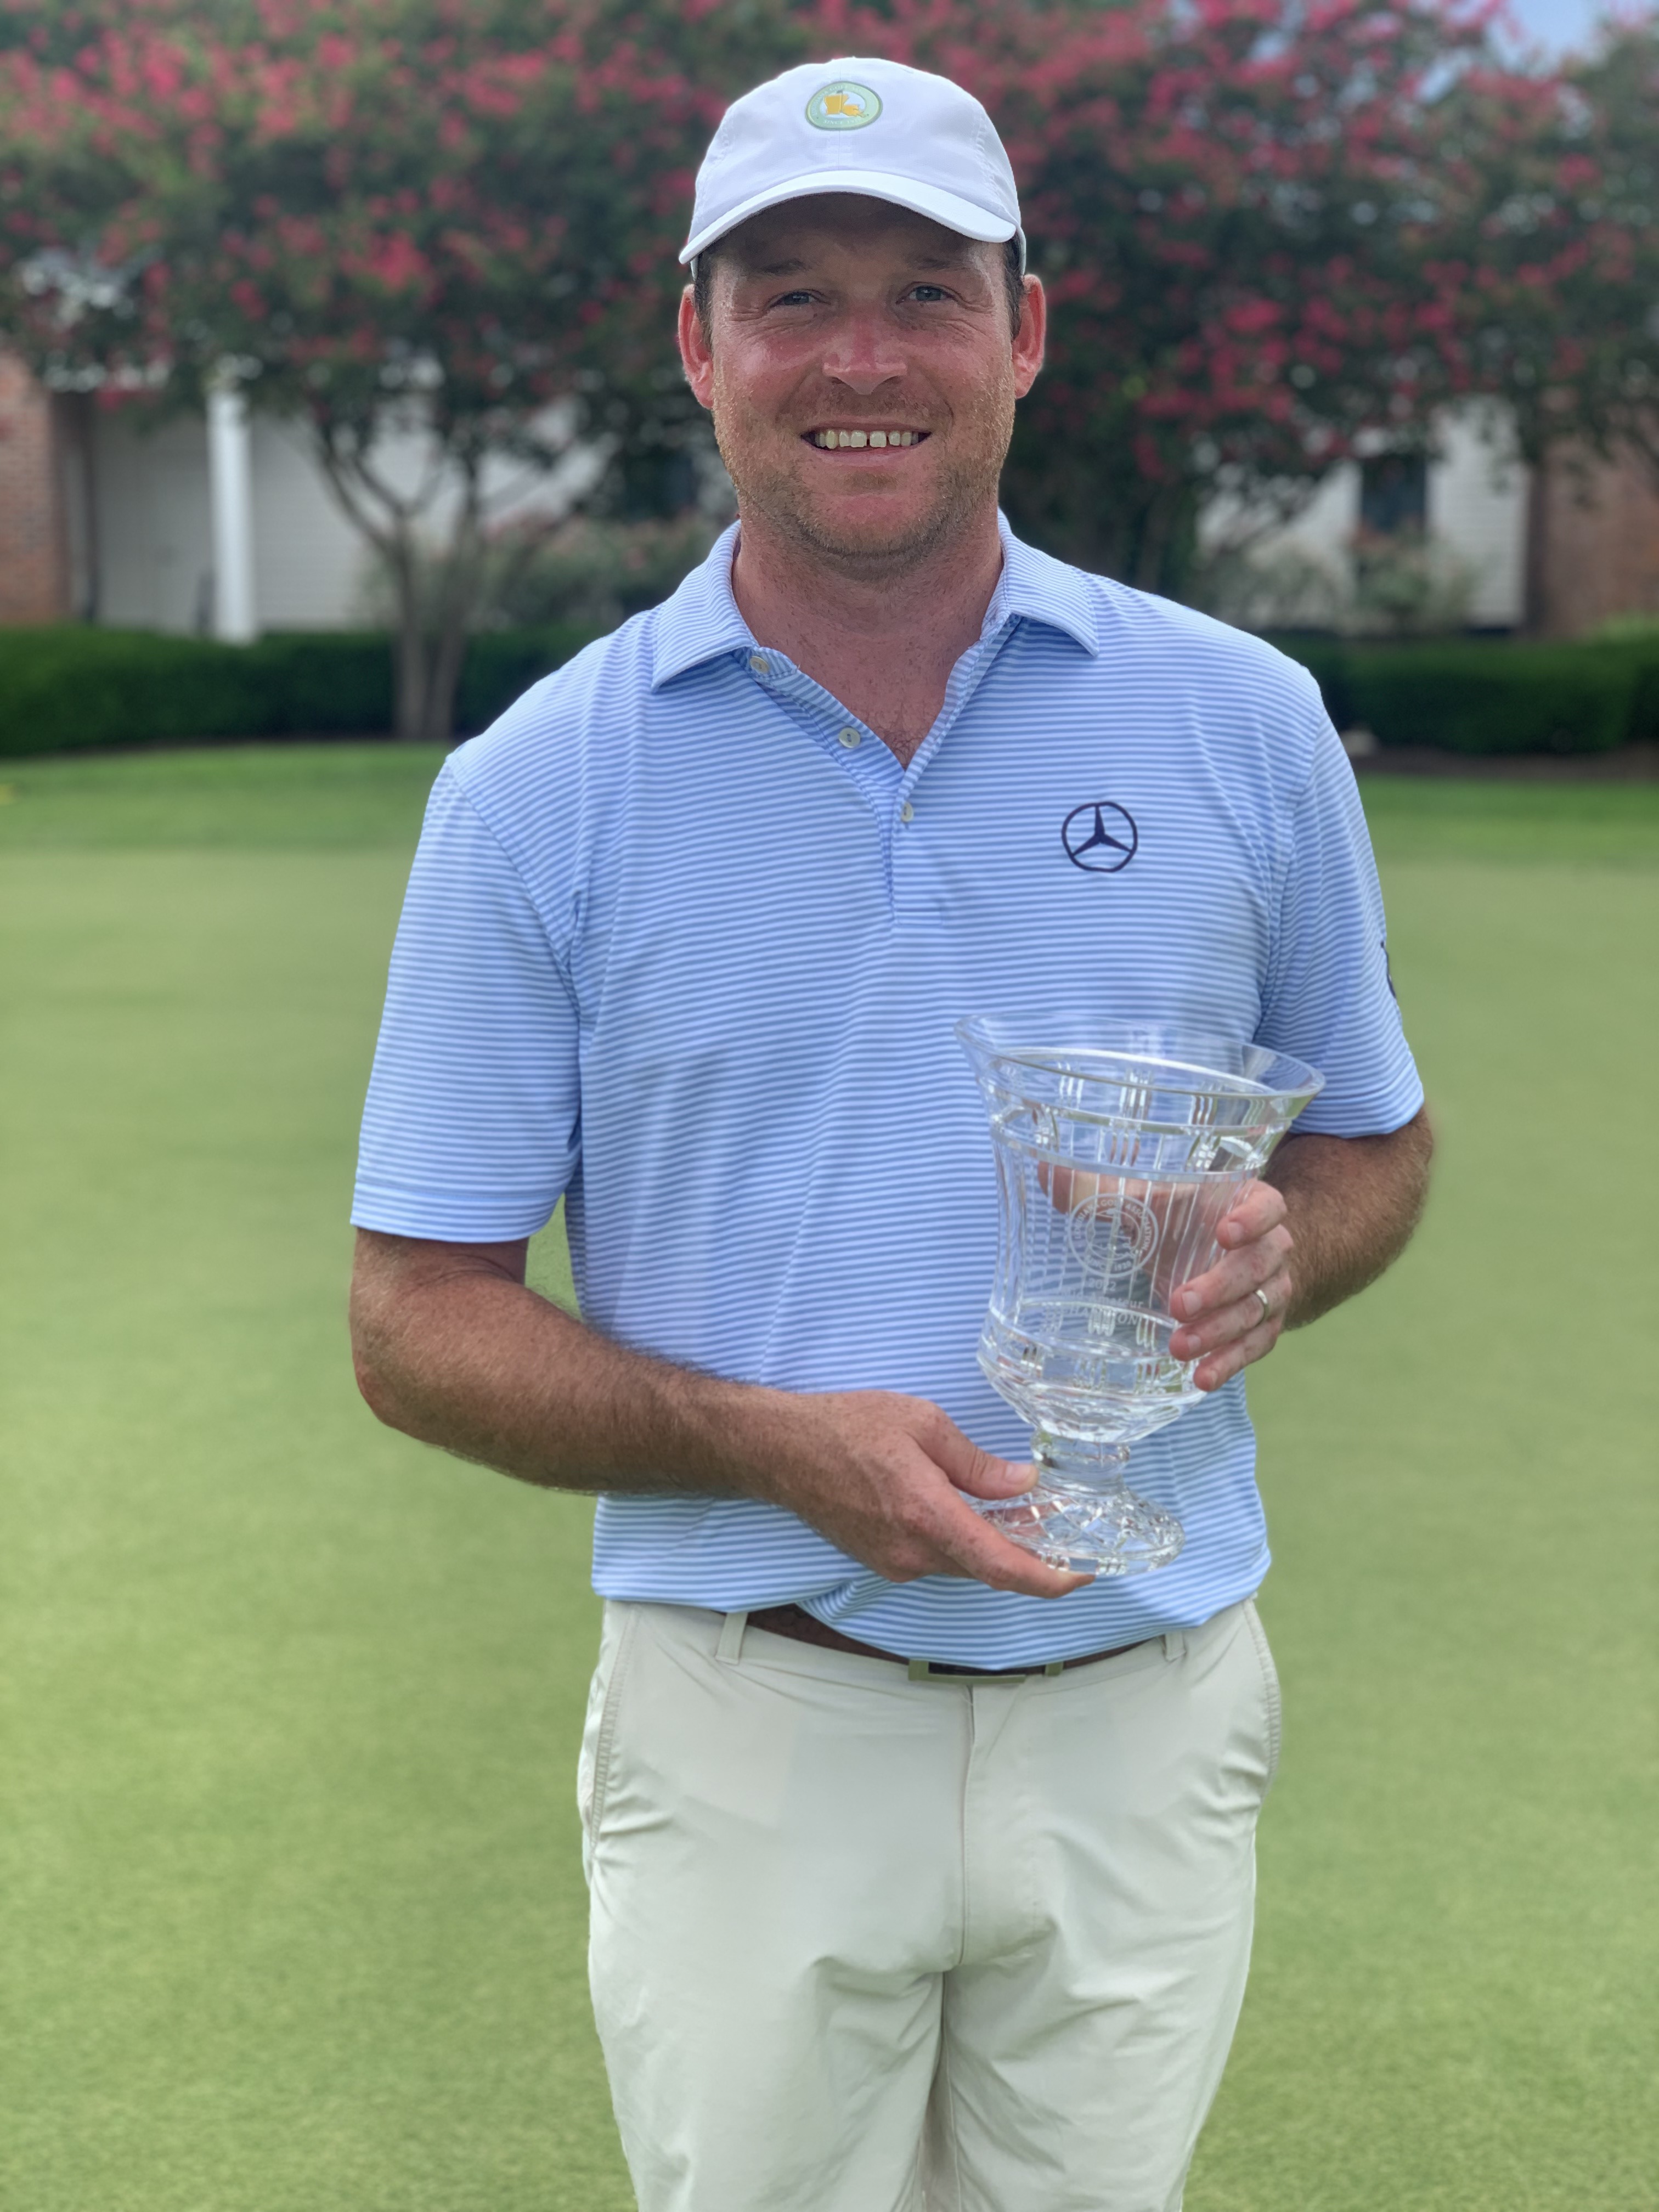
(1270,1689)
(599,1727)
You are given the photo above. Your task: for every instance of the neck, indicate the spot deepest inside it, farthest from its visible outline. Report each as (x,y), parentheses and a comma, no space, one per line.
(883,645)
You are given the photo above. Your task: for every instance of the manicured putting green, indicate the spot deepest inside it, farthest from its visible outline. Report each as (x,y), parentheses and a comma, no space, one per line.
(294,1915)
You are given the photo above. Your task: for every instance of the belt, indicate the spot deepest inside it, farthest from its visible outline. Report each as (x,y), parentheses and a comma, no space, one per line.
(803,1627)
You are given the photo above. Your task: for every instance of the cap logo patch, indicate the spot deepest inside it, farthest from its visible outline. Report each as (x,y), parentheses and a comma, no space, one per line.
(843,107)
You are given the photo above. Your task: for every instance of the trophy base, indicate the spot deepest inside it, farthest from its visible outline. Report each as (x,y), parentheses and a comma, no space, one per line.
(1088,1531)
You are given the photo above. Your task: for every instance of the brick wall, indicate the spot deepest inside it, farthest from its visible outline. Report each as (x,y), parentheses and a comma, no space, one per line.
(34,562)
(1592,545)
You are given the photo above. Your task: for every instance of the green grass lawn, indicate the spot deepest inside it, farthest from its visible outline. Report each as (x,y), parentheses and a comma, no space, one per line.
(293,1917)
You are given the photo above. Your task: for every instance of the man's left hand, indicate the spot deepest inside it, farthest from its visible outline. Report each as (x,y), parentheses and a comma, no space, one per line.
(1223,1324)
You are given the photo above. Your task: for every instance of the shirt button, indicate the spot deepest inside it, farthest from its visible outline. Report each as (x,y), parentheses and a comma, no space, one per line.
(757,662)
(852,739)
(907,813)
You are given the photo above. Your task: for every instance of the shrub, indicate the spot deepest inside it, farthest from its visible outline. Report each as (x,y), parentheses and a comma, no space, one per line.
(1283,589)
(1627,629)
(502,663)
(1407,584)
(73,685)
(1488,695)
(592,570)
(1642,656)
(1475,698)
(1326,658)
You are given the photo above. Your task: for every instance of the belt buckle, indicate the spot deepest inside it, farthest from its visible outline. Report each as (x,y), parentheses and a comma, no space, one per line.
(925,1670)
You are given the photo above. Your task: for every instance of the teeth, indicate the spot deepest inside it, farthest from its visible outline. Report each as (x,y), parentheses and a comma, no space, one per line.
(855,441)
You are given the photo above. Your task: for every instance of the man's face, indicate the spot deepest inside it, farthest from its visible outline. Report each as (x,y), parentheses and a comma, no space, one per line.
(838,317)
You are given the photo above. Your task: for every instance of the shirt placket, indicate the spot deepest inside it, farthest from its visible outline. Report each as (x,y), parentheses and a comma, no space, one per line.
(891,792)
(910,849)
(855,748)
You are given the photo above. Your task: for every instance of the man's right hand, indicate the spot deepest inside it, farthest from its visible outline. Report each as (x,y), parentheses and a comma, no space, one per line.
(884,1478)
(451,1347)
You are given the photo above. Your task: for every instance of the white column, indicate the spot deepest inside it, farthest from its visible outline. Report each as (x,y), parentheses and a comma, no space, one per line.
(230,483)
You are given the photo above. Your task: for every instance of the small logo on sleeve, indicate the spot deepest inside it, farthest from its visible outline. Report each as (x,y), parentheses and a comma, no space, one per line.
(1100,836)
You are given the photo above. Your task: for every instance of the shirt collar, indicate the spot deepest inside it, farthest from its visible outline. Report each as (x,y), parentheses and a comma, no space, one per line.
(1044,590)
(700,620)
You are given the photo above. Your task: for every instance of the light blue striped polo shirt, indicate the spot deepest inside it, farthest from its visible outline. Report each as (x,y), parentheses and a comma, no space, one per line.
(684,944)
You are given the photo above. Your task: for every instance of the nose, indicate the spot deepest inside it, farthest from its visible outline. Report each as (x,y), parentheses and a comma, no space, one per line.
(864,353)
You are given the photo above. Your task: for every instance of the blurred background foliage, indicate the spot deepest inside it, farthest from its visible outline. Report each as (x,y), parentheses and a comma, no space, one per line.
(1271,231)
(592,571)
(1408,585)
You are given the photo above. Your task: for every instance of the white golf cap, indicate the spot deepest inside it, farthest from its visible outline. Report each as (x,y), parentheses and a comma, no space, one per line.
(877,128)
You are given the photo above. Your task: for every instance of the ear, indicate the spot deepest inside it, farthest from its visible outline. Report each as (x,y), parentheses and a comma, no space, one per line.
(695,357)
(1030,337)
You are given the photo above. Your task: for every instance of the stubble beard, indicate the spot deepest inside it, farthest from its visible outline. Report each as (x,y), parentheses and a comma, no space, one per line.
(775,497)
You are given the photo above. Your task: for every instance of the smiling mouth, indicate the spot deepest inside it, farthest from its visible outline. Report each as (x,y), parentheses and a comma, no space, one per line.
(858,441)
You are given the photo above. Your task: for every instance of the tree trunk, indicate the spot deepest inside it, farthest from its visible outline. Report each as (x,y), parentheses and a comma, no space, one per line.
(427,664)
(436,593)
(409,684)
(427,669)
(437,596)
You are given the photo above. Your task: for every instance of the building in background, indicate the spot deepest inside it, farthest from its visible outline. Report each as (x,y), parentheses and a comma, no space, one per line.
(1397,540)
(45,560)
(221,527)
(1469,538)
(1592,544)
(227,528)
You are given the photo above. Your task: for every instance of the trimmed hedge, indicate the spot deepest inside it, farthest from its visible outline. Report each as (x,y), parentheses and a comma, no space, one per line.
(1327,660)
(1488,695)
(75,684)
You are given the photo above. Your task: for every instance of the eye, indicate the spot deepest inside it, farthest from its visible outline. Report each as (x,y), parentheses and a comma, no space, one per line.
(928,292)
(793,300)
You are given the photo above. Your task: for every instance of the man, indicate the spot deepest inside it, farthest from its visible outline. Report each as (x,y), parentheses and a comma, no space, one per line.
(921,1872)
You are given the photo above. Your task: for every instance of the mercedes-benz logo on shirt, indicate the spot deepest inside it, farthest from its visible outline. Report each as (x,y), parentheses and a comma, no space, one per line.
(1100,835)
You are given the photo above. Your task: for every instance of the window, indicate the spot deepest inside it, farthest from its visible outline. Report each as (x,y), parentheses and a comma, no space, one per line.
(1394,495)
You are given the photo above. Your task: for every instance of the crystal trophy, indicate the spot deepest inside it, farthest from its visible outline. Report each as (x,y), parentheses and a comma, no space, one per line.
(1119,1152)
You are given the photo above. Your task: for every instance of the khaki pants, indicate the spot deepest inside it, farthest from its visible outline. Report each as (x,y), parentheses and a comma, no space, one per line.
(861,1943)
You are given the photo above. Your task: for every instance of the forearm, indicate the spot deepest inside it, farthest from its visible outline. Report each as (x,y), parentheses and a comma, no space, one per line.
(1351,1204)
(451,1347)
(458,1353)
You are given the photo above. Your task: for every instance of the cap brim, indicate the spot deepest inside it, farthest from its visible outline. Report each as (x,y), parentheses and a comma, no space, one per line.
(958,214)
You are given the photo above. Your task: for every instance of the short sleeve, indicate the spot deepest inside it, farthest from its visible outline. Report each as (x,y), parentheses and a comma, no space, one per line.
(470,1131)
(1330,997)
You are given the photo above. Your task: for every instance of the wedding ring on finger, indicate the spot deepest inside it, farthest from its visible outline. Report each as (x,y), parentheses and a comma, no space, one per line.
(1267,1307)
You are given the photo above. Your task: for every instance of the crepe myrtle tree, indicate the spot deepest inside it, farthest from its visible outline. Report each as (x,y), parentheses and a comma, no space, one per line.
(1271,229)
(1255,220)
(1564,289)
(373,214)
